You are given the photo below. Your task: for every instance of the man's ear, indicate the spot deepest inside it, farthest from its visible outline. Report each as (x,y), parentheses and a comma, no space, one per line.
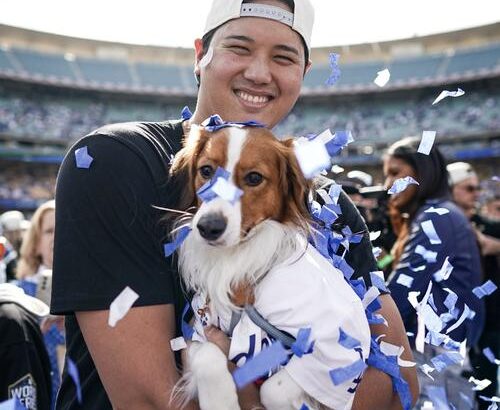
(198,55)
(308,67)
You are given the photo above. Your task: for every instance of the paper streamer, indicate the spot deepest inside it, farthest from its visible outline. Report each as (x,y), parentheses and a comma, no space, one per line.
(347,341)
(121,305)
(426,142)
(342,374)
(82,157)
(260,365)
(430,231)
(446,93)
(382,77)
(302,346)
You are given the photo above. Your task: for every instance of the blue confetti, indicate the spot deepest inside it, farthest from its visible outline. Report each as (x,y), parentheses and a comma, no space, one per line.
(341,264)
(334,193)
(215,123)
(186,329)
(12,404)
(339,141)
(169,248)
(347,341)
(335,70)
(301,346)
(73,372)
(209,192)
(328,214)
(304,407)
(377,279)
(490,356)
(260,365)
(486,289)
(82,157)
(401,184)
(342,374)
(442,361)
(186,113)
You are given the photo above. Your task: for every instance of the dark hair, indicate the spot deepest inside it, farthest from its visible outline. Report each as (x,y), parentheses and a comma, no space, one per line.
(207,38)
(431,172)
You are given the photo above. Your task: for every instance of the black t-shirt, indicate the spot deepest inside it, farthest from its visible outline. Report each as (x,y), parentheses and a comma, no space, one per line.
(24,362)
(108,236)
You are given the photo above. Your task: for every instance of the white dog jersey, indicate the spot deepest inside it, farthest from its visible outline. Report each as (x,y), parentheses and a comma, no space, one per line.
(306,291)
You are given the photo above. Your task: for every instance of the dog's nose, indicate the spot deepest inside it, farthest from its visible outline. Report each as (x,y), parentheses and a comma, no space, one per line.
(211,226)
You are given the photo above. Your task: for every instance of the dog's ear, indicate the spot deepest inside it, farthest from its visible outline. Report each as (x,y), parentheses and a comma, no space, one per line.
(296,187)
(183,168)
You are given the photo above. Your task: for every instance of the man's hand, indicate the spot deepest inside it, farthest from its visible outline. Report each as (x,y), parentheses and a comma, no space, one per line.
(375,390)
(488,244)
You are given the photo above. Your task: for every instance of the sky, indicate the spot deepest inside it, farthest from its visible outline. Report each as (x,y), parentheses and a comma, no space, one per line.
(176,23)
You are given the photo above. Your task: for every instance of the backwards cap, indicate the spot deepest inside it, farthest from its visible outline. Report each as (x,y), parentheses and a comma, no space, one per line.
(301,20)
(459,171)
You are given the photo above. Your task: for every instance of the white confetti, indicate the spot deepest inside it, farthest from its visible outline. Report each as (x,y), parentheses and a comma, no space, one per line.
(480,384)
(439,211)
(427,370)
(401,184)
(428,255)
(404,280)
(465,315)
(207,58)
(426,142)
(312,157)
(431,233)
(446,93)
(382,77)
(445,271)
(374,235)
(178,344)
(226,190)
(370,296)
(376,252)
(392,350)
(121,305)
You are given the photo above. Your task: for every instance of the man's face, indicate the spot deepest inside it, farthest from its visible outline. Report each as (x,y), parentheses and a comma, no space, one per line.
(255,74)
(466,193)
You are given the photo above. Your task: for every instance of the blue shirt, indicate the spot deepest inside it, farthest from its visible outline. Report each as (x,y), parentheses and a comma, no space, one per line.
(458,243)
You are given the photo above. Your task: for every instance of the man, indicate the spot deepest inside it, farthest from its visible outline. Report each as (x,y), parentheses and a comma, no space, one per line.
(250,67)
(24,362)
(465,190)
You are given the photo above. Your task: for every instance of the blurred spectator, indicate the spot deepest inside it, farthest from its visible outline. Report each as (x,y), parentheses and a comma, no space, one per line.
(14,225)
(426,240)
(24,363)
(465,185)
(34,272)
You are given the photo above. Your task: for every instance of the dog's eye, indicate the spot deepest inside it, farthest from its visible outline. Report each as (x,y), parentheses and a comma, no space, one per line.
(206,171)
(253,178)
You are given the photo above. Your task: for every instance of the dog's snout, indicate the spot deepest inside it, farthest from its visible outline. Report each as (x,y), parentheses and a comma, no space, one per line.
(212,226)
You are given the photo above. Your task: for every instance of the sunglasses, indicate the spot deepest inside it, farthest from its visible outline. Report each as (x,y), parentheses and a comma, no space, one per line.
(472,188)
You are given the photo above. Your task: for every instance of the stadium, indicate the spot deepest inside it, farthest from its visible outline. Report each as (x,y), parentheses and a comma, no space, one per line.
(55,89)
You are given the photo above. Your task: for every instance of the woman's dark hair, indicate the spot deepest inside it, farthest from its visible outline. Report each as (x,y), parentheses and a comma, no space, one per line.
(431,172)
(207,38)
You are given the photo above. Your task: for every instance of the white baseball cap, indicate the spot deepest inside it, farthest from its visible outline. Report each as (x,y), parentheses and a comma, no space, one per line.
(13,221)
(14,294)
(459,171)
(301,20)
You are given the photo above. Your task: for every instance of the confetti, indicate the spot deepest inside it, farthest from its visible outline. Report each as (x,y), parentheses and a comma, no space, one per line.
(479,384)
(428,255)
(401,184)
(342,374)
(207,58)
(378,280)
(370,295)
(382,77)
(466,314)
(170,247)
(302,346)
(491,356)
(374,235)
(431,233)
(75,376)
(226,190)
(493,399)
(446,93)
(444,360)
(186,113)
(121,305)
(445,271)
(82,157)
(215,123)
(404,280)
(426,142)
(260,365)
(439,211)
(347,341)
(427,370)
(392,350)
(178,343)
(12,404)
(487,288)
(335,70)
(312,157)
(376,252)
(338,142)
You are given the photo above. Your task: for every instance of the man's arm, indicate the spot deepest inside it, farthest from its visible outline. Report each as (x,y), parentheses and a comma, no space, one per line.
(134,359)
(375,390)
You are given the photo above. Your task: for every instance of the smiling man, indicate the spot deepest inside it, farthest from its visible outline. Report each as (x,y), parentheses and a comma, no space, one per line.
(250,65)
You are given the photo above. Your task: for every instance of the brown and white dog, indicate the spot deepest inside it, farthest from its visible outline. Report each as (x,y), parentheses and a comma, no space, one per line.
(255,251)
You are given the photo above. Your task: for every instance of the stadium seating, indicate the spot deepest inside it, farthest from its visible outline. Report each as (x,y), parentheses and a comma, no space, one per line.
(4,61)
(476,59)
(48,65)
(105,72)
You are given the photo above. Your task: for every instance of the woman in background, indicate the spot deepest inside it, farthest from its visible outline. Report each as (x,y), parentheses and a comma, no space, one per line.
(431,231)
(34,272)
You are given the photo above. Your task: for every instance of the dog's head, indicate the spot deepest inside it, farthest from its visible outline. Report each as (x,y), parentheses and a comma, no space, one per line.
(263,167)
